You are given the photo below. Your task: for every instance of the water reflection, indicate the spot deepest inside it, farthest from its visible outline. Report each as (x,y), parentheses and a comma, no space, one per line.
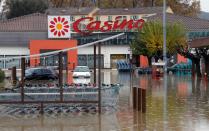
(186,107)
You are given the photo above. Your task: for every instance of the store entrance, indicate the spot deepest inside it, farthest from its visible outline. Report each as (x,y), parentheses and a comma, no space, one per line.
(52,60)
(117,57)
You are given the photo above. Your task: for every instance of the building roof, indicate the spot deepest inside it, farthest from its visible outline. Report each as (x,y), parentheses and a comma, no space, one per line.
(190,23)
(201,42)
(34,22)
(69,11)
(128,11)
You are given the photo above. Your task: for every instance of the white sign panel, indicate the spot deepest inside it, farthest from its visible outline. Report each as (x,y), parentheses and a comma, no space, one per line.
(59,27)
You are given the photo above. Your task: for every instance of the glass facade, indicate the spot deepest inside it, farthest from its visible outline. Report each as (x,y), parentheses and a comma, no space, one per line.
(109,18)
(72,18)
(88,60)
(98,18)
(1,62)
(12,62)
(123,40)
(134,17)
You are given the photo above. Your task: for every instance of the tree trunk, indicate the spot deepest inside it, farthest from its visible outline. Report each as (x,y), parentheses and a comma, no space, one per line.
(197,63)
(206,66)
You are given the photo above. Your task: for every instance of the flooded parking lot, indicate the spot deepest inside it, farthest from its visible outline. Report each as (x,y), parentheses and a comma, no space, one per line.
(181,105)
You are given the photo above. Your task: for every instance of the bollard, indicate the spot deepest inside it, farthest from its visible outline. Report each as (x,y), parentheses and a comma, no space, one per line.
(14,76)
(143,100)
(134,94)
(139,99)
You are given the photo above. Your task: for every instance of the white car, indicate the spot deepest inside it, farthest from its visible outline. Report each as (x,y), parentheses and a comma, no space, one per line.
(81,71)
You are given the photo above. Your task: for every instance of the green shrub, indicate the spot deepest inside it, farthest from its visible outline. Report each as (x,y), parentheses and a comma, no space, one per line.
(2,75)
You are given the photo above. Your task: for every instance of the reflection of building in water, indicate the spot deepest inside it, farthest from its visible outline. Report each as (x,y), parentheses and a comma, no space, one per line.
(183,89)
(107,77)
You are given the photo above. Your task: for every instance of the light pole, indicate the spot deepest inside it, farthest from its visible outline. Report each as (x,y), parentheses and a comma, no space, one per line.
(165,66)
(164,36)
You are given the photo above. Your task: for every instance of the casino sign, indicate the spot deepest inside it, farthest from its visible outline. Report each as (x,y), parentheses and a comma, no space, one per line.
(59,26)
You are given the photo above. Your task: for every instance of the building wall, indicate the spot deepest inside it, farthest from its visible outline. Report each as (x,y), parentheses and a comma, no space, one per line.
(14,50)
(107,50)
(37,45)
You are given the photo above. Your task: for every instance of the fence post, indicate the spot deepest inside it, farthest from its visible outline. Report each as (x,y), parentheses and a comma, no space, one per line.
(22,78)
(99,76)
(134,94)
(14,76)
(143,96)
(139,99)
(61,75)
(95,47)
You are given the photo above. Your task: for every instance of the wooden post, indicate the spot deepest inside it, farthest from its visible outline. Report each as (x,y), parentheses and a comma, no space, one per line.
(134,93)
(95,62)
(14,76)
(139,99)
(61,75)
(143,97)
(22,78)
(99,76)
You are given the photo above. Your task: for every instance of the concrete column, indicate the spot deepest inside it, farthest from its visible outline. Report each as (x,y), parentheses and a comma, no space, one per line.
(107,63)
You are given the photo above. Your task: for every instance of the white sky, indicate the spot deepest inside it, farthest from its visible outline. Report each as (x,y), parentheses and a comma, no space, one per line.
(204,4)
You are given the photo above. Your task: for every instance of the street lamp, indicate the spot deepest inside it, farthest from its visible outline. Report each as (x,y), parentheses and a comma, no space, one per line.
(165,66)
(164,36)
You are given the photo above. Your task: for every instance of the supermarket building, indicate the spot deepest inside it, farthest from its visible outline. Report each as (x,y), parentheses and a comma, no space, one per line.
(17,34)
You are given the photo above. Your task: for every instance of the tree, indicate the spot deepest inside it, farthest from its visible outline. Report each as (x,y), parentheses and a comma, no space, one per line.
(23,7)
(72,3)
(149,41)
(181,7)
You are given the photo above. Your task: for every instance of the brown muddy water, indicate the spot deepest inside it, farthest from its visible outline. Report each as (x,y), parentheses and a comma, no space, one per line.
(181,105)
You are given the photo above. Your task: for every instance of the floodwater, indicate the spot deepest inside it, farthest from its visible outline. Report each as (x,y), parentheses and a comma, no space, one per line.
(180,105)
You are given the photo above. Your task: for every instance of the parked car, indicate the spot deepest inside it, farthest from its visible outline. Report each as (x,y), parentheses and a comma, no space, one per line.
(40,73)
(81,71)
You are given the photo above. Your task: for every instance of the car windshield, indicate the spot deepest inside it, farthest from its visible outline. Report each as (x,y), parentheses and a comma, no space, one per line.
(81,69)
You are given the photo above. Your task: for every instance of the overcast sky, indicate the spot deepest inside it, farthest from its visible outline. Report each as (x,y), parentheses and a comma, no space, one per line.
(204,5)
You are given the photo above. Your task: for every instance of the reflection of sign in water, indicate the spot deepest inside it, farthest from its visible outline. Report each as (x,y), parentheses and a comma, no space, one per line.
(58,27)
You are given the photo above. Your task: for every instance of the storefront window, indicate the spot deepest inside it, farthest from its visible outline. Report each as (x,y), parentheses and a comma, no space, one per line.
(98,18)
(134,17)
(12,62)
(1,62)
(72,18)
(109,18)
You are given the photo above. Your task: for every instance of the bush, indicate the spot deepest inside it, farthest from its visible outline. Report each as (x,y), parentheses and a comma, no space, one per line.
(2,75)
